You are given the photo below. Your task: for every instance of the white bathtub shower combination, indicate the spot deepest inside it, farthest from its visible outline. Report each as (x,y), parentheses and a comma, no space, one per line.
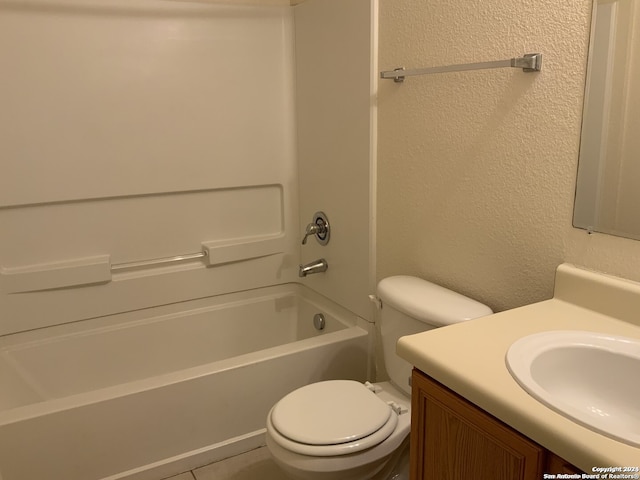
(164,389)
(176,129)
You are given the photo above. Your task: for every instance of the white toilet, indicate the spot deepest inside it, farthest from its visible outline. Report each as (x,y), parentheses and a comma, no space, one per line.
(346,430)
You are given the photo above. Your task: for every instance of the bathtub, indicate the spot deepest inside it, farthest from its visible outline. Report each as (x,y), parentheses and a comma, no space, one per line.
(151,393)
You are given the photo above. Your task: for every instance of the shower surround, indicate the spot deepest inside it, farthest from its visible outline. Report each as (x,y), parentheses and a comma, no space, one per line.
(144,130)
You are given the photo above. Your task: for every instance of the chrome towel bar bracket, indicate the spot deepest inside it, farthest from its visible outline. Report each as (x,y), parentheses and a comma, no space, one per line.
(531,62)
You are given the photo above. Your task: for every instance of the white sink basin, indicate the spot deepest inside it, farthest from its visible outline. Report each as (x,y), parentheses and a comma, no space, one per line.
(591,378)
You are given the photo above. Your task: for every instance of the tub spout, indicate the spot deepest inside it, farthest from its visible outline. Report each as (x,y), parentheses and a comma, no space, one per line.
(316,266)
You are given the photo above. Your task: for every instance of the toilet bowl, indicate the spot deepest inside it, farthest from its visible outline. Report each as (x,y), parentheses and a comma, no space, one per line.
(346,430)
(339,429)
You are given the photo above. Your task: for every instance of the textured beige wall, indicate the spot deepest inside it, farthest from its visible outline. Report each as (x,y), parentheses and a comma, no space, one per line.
(477,169)
(260,3)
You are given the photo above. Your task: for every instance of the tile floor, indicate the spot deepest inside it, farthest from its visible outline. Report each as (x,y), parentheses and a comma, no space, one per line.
(256,464)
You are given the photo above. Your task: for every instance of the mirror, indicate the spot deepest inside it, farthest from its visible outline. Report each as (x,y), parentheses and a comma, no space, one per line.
(608,184)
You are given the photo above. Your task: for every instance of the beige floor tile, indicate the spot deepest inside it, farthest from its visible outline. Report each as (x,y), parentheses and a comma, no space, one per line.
(256,464)
(182,476)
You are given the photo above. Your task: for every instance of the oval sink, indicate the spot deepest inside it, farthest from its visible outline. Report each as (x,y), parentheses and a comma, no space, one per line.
(591,378)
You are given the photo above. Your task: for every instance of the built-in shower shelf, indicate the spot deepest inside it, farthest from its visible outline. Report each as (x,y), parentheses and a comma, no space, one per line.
(99,269)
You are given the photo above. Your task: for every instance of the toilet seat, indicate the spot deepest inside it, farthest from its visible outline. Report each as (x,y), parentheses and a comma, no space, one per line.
(336,417)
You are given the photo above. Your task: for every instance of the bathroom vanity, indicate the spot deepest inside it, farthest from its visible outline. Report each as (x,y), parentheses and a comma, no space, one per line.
(472,419)
(452,438)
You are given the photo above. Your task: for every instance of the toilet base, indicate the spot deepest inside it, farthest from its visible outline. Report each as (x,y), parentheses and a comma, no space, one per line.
(392,467)
(399,465)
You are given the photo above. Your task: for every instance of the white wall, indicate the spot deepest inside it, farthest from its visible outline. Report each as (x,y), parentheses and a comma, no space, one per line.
(336,87)
(137,130)
(140,130)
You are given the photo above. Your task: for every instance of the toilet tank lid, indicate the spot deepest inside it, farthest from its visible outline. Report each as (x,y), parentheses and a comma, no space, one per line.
(428,302)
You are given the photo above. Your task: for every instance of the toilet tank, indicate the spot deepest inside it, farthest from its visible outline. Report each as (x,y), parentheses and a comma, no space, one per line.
(411,305)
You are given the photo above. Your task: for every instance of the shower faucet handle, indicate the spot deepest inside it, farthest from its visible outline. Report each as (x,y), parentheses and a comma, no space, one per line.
(318,227)
(312,229)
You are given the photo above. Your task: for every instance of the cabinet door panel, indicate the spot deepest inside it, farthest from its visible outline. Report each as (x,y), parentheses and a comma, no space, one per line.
(455,440)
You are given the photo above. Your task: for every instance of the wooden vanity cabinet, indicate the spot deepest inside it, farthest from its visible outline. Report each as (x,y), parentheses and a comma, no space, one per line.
(555,464)
(452,439)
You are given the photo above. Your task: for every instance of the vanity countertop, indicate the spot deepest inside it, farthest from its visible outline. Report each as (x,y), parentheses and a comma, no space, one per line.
(469,358)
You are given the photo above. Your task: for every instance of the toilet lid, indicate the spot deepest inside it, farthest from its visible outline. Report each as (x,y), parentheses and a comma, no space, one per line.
(330,413)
